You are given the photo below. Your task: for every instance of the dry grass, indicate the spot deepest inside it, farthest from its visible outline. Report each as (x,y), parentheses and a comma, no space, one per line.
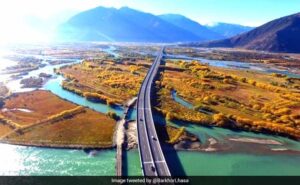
(88,129)
(4,129)
(42,104)
(54,123)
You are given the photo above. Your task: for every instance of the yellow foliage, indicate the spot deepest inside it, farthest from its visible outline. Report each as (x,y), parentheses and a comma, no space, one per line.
(220,119)
(175,138)
(283,111)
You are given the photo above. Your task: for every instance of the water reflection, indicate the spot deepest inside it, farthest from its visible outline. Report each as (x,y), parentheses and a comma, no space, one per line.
(20,160)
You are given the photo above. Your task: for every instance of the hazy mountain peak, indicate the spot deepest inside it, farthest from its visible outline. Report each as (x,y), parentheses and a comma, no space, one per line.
(228,29)
(279,35)
(191,26)
(124,24)
(173,16)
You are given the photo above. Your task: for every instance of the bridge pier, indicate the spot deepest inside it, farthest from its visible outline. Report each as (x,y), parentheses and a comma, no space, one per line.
(120,137)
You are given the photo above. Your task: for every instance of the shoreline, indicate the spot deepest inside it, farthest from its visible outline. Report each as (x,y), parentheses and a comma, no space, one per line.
(57,146)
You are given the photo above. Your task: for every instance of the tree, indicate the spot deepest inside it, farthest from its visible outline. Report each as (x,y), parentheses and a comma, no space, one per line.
(220,119)
(169,116)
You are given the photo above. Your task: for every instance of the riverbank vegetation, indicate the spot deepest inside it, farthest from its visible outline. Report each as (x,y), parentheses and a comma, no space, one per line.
(284,60)
(237,99)
(173,135)
(108,81)
(39,118)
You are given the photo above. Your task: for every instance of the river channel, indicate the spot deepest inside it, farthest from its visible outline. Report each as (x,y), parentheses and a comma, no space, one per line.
(20,160)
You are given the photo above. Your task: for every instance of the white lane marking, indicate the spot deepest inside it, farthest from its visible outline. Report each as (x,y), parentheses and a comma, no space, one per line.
(160,161)
(147,162)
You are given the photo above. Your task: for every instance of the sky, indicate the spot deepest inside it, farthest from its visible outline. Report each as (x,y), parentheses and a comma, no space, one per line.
(37,19)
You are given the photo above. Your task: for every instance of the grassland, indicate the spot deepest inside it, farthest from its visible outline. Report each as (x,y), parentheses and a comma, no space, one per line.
(108,81)
(39,118)
(41,105)
(238,99)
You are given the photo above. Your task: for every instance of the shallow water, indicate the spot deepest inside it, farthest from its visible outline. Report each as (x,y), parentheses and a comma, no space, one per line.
(238,65)
(55,87)
(201,163)
(230,162)
(132,165)
(239,161)
(20,160)
(180,100)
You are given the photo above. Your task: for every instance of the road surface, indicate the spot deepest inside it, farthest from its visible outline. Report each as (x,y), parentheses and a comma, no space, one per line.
(152,158)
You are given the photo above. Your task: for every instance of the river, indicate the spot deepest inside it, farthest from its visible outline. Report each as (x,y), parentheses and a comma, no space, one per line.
(20,160)
(242,158)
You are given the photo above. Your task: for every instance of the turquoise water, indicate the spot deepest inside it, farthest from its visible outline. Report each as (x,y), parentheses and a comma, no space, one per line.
(55,87)
(220,134)
(20,160)
(200,163)
(132,114)
(132,165)
(235,161)
(238,162)
(180,100)
(226,163)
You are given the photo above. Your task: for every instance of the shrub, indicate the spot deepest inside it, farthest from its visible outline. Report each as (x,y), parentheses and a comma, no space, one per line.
(256,107)
(112,115)
(95,97)
(220,119)
(252,82)
(169,116)
(283,111)
(278,75)
(66,114)
(244,80)
(226,81)
(175,138)
(203,107)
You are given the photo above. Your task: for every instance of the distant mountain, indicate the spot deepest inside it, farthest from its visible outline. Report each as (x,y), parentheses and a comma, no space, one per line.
(122,25)
(280,35)
(191,26)
(228,30)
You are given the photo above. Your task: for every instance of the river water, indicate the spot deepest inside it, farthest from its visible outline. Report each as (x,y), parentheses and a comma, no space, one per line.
(272,159)
(20,160)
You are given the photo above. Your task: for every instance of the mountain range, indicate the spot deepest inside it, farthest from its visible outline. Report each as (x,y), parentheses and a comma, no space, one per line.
(228,30)
(129,25)
(280,35)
